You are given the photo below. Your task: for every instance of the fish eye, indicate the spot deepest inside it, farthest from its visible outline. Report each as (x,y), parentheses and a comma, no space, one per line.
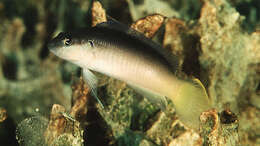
(91,43)
(67,41)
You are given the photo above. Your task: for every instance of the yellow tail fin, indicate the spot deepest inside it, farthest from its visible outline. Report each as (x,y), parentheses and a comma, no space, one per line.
(190,101)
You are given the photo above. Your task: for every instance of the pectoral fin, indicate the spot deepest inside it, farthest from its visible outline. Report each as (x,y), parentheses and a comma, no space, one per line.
(153,97)
(92,82)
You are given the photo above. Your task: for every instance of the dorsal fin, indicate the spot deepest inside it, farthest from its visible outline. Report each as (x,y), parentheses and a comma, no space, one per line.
(117,26)
(113,24)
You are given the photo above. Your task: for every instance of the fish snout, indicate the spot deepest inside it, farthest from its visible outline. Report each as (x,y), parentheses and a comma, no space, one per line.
(54,45)
(51,46)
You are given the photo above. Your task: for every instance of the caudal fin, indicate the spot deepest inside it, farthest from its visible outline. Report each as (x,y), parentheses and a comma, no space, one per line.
(190,102)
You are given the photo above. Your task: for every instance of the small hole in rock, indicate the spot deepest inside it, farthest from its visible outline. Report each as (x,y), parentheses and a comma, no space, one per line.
(10,67)
(44,51)
(227,117)
(258,88)
(191,65)
(30,18)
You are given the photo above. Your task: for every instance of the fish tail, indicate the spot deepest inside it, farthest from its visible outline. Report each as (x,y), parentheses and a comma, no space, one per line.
(190,101)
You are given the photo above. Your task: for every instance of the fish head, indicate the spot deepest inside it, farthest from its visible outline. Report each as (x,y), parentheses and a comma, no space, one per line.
(72,47)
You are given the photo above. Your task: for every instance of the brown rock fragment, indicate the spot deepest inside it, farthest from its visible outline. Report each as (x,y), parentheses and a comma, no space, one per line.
(216,133)
(98,13)
(80,96)
(175,32)
(184,44)
(189,138)
(231,57)
(209,127)
(159,132)
(57,123)
(209,122)
(149,25)
(3,114)
(62,128)
(217,28)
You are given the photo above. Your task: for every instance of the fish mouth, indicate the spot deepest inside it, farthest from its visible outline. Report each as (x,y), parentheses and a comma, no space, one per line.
(56,42)
(51,46)
(55,49)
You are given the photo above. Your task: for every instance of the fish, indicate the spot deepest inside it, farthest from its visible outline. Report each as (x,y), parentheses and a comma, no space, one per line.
(116,50)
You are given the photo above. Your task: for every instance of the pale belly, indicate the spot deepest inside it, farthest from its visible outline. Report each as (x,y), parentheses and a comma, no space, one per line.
(137,69)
